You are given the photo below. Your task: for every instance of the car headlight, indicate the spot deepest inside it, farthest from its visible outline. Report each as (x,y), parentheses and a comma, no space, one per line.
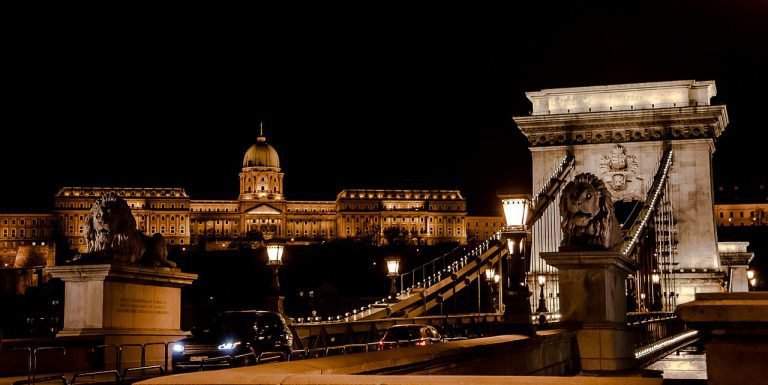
(229,345)
(177,348)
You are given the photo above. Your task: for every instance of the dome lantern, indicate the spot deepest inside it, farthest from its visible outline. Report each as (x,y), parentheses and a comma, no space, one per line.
(261,154)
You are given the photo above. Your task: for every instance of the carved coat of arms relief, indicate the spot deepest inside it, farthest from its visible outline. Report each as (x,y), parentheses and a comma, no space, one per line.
(619,172)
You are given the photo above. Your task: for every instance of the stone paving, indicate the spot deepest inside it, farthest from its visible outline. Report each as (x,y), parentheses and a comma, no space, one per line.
(687,365)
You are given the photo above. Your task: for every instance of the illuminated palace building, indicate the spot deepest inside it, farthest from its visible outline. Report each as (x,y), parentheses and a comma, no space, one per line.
(260,210)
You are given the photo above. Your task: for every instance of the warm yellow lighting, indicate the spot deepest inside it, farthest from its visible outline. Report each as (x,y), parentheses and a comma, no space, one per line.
(655,278)
(753,282)
(511,246)
(541,280)
(515,211)
(489,274)
(393,266)
(750,274)
(275,254)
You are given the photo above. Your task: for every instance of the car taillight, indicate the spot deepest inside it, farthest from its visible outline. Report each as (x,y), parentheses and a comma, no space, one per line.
(421,343)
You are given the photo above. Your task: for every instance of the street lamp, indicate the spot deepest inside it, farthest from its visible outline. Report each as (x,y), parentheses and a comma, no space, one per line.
(493,279)
(514,291)
(752,278)
(655,291)
(489,274)
(515,210)
(275,254)
(393,270)
(541,280)
(275,260)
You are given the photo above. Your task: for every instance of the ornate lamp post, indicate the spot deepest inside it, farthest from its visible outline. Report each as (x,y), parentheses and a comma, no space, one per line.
(542,308)
(393,270)
(541,280)
(515,292)
(656,292)
(275,260)
(492,278)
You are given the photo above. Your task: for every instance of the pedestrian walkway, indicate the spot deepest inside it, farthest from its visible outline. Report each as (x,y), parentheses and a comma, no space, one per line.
(685,365)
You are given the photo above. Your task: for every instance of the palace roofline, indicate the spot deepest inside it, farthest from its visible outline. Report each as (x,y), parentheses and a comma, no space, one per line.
(232,201)
(27,213)
(343,194)
(310,202)
(144,191)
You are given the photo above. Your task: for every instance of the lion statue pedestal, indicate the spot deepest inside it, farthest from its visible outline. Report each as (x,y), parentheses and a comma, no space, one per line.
(117,304)
(124,290)
(591,273)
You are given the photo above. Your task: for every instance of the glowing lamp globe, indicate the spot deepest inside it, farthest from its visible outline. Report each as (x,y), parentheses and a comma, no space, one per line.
(515,211)
(393,266)
(275,254)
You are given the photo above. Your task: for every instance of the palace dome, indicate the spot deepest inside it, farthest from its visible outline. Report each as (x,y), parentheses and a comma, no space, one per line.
(261,154)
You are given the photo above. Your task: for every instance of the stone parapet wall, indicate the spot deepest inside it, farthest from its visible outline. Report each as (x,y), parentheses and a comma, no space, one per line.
(548,353)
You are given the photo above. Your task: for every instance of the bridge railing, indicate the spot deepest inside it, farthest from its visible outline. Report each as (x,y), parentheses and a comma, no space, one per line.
(348,332)
(547,194)
(89,363)
(437,266)
(544,223)
(658,333)
(423,279)
(433,271)
(651,203)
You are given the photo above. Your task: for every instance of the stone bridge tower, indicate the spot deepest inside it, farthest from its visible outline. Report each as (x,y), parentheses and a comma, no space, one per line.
(619,133)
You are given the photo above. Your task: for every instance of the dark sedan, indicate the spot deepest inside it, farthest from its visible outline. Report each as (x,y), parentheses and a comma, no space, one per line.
(410,335)
(237,338)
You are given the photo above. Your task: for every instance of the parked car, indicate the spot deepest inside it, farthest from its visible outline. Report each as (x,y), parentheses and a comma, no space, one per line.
(410,335)
(236,338)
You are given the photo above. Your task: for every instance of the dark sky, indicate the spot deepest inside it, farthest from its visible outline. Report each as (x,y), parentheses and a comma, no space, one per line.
(350,97)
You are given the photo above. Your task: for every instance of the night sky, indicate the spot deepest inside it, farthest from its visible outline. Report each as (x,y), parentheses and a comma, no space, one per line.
(349,97)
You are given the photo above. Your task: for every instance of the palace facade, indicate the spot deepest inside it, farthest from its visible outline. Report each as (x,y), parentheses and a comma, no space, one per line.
(259,211)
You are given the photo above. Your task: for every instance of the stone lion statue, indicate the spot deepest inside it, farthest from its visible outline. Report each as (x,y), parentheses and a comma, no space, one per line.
(110,232)
(588,219)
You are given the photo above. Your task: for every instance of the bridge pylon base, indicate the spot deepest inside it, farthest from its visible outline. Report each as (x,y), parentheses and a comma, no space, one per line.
(592,300)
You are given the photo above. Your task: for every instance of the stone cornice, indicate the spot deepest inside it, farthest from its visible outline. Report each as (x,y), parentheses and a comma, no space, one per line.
(624,126)
(583,259)
(159,276)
